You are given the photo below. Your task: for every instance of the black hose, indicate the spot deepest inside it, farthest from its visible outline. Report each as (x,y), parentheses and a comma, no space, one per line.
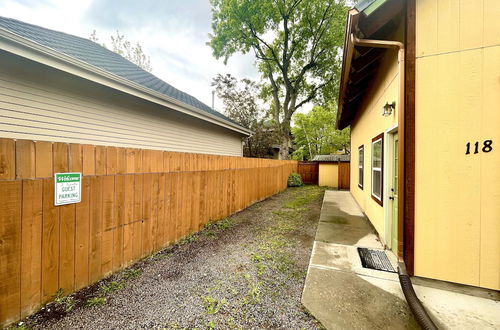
(411,297)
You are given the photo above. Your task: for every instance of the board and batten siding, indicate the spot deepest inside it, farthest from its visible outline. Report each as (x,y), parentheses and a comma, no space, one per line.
(457,195)
(329,175)
(41,103)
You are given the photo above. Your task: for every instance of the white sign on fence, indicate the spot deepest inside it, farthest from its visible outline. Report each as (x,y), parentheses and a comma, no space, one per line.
(68,188)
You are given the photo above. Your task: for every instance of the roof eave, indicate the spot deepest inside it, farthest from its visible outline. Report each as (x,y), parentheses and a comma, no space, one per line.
(352,20)
(18,45)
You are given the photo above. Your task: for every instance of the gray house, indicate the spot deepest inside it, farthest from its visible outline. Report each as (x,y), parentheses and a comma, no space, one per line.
(59,87)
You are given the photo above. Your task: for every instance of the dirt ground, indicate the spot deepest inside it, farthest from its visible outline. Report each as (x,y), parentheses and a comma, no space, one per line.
(246,271)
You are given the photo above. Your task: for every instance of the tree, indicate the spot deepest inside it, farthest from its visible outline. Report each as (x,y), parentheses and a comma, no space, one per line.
(240,104)
(315,134)
(297,45)
(124,48)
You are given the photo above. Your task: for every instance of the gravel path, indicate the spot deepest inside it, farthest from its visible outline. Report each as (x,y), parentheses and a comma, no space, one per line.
(246,271)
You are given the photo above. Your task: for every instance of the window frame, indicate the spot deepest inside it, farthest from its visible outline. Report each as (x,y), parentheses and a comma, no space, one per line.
(376,139)
(361,167)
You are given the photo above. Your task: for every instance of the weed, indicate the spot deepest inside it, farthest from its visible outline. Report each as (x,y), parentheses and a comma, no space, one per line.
(260,269)
(111,287)
(230,323)
(67,303)
(211,325)
(221,224)
(96,301)
(255,292)
(131,273)
(256,257)
(212,305)
(188,239)
(21,326)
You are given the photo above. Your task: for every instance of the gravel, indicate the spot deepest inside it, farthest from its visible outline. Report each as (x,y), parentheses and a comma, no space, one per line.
(246,271)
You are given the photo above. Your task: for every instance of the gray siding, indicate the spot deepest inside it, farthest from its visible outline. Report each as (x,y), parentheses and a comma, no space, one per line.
(40,103)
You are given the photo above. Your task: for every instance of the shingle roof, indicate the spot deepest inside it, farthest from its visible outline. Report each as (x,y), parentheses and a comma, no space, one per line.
(94,54)
(332,158)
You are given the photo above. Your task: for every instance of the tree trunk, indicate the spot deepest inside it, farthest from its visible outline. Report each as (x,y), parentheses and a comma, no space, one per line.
(285,147)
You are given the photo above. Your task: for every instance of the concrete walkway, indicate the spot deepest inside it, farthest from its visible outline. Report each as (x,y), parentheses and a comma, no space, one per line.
(342,294)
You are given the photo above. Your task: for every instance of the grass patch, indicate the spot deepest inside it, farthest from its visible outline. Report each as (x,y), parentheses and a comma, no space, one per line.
(188,239)
(212,228)
(131,273)
(96,301)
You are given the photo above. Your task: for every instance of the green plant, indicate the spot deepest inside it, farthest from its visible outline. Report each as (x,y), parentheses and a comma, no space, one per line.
(131,273)
(188,239)
(67,303)
(21,326)
(96,301)
(213,305)
(211,325)
(111,286)
(294,180)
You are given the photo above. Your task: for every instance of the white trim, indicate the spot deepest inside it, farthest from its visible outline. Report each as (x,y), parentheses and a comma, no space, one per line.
(378,169)
(388,155)
(362,167)
(29,49)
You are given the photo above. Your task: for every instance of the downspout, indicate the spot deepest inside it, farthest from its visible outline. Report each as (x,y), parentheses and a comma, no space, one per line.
(406,286)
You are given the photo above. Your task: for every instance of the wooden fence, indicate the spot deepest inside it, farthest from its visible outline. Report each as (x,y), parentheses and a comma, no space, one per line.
(134,202)
(308,172)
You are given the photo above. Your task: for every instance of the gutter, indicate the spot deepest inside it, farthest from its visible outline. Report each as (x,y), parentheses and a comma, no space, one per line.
(29,49)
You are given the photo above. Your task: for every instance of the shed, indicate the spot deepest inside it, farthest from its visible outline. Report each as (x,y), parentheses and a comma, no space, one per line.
(59,87)
(333,170)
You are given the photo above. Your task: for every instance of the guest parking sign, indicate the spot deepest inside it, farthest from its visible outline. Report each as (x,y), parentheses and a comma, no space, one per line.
(68,188)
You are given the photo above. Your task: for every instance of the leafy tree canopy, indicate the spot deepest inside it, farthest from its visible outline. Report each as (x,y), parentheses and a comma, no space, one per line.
(315,134)
(240,104)
(297,44)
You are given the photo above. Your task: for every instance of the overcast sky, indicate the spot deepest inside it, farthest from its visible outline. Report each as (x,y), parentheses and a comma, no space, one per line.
(172,32)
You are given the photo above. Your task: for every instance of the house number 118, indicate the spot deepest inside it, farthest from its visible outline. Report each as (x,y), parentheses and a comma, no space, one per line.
(486,147)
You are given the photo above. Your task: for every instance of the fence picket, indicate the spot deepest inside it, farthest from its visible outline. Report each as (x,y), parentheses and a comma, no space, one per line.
(134,202)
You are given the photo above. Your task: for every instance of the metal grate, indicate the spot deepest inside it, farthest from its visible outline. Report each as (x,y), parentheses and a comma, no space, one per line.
(375,259)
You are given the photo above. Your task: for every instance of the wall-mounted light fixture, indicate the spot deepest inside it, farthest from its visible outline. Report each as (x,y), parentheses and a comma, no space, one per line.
(388,109)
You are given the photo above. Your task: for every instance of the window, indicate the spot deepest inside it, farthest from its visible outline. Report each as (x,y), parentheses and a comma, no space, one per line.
(361,161)
(377,167)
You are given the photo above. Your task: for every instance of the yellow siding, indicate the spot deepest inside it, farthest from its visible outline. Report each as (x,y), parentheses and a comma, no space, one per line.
(369,123)
(329,175)
(457,196)
(44,104)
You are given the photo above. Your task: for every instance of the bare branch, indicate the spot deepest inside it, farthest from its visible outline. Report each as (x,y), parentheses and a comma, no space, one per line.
(312,94)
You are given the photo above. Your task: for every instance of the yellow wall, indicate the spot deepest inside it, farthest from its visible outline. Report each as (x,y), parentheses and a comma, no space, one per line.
(369,123)
(457,196)
(328,175)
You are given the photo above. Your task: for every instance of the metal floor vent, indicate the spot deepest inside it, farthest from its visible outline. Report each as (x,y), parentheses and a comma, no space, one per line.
(375,259)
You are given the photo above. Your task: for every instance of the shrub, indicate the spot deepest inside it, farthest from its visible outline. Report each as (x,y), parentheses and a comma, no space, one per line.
(294,180)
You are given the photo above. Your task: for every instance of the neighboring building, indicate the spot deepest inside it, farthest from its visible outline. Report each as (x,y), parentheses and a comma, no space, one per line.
(59,87)
(425,132)
(333,170)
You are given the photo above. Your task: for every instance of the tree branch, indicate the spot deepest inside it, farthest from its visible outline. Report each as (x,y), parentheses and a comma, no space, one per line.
(312,94)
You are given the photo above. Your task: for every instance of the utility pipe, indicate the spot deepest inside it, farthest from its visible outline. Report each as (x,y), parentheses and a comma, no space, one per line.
(406,286)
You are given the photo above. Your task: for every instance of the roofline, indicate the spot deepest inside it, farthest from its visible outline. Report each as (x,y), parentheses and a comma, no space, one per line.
(29,49)
(352,20)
